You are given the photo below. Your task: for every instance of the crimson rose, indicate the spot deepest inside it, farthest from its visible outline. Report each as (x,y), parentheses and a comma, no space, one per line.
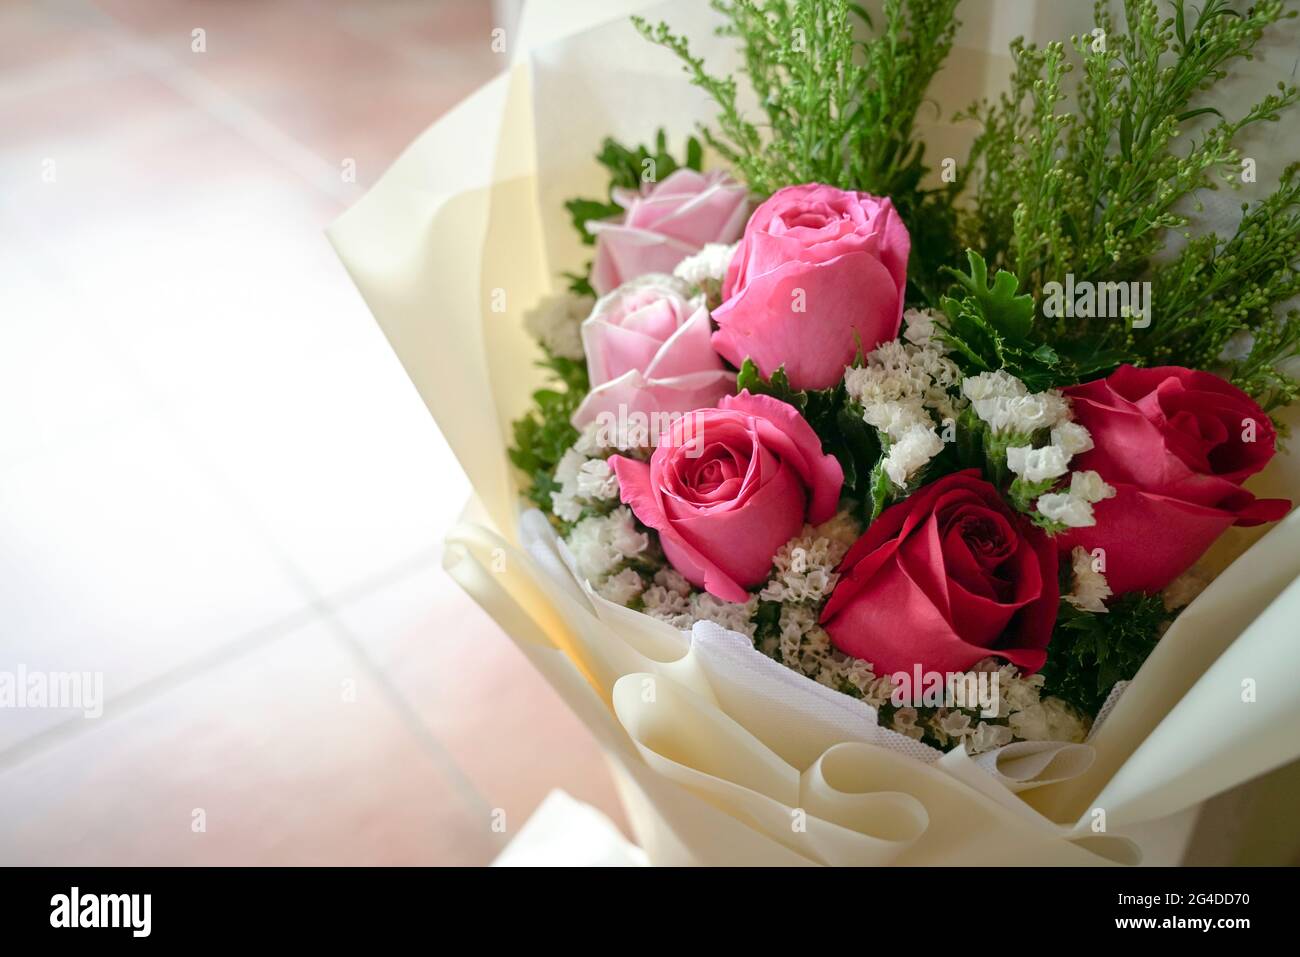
(946,577)
(1176,444)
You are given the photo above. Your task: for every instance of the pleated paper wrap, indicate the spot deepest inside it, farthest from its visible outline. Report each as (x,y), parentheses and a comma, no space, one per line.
(722,756)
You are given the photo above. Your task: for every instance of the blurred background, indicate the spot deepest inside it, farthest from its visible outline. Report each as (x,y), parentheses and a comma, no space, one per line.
(217,485)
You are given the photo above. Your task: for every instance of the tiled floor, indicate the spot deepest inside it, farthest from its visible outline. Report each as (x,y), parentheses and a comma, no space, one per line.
(217,487)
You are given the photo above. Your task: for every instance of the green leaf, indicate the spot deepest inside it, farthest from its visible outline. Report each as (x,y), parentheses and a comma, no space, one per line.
(583,211)
(857,450)
(1089,652)
(879,487)
(694,154)
(543,434)
(1011,315)
(1200,111)
(748,377)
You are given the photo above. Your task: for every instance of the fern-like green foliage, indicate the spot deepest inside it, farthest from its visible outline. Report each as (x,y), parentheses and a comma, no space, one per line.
(543,435)
(992,325)
(1090,181)
(1089,653)
(839,101)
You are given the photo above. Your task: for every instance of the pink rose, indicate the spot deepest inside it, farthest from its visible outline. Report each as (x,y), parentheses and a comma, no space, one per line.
(818,271)
(728,487)
(1176,444)
(648,352)
(665,225)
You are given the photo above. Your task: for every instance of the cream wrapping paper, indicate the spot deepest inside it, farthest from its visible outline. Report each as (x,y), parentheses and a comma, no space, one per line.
(464,232)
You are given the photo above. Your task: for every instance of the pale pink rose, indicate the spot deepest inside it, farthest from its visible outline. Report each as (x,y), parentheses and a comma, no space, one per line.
(664,225)
(819,271)
(648,352)
(727,487)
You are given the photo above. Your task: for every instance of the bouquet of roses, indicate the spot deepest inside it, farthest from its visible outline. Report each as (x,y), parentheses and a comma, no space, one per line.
(889,467)
(860,490)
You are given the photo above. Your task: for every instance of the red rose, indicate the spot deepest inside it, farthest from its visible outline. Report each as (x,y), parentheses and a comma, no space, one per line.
(946,577)
(1176,444)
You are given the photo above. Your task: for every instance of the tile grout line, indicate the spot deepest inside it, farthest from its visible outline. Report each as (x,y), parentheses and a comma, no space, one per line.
(225,653)
(152,688)
(451,771)
(302,161)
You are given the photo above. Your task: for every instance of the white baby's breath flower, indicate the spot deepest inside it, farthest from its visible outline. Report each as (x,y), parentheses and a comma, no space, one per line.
(988,736)
(804,646)
(1090,487)
(622,587)
(708,265)
(859,674)
(565,501)
(901,383)
(591,440)
(671,579)
(623,533)
(896,417)
(1072,437)
(1090,590)
(991,385)
(556,321)
(1022,414)
(593,555)
(584,476)
(1067,509)
(1051,719)
(596,480)
(1074,508)
(669,599)
(905,723)
(956,724)
(730,615)
(804,569)
(919,327)
(1017,692)
(911,451)
(600,543)
(1036,465)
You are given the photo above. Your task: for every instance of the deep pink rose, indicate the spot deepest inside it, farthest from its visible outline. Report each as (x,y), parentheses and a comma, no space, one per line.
(728,487)
(946,577)
(648,352)
(1176,444)
(663,226)
(819,271)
